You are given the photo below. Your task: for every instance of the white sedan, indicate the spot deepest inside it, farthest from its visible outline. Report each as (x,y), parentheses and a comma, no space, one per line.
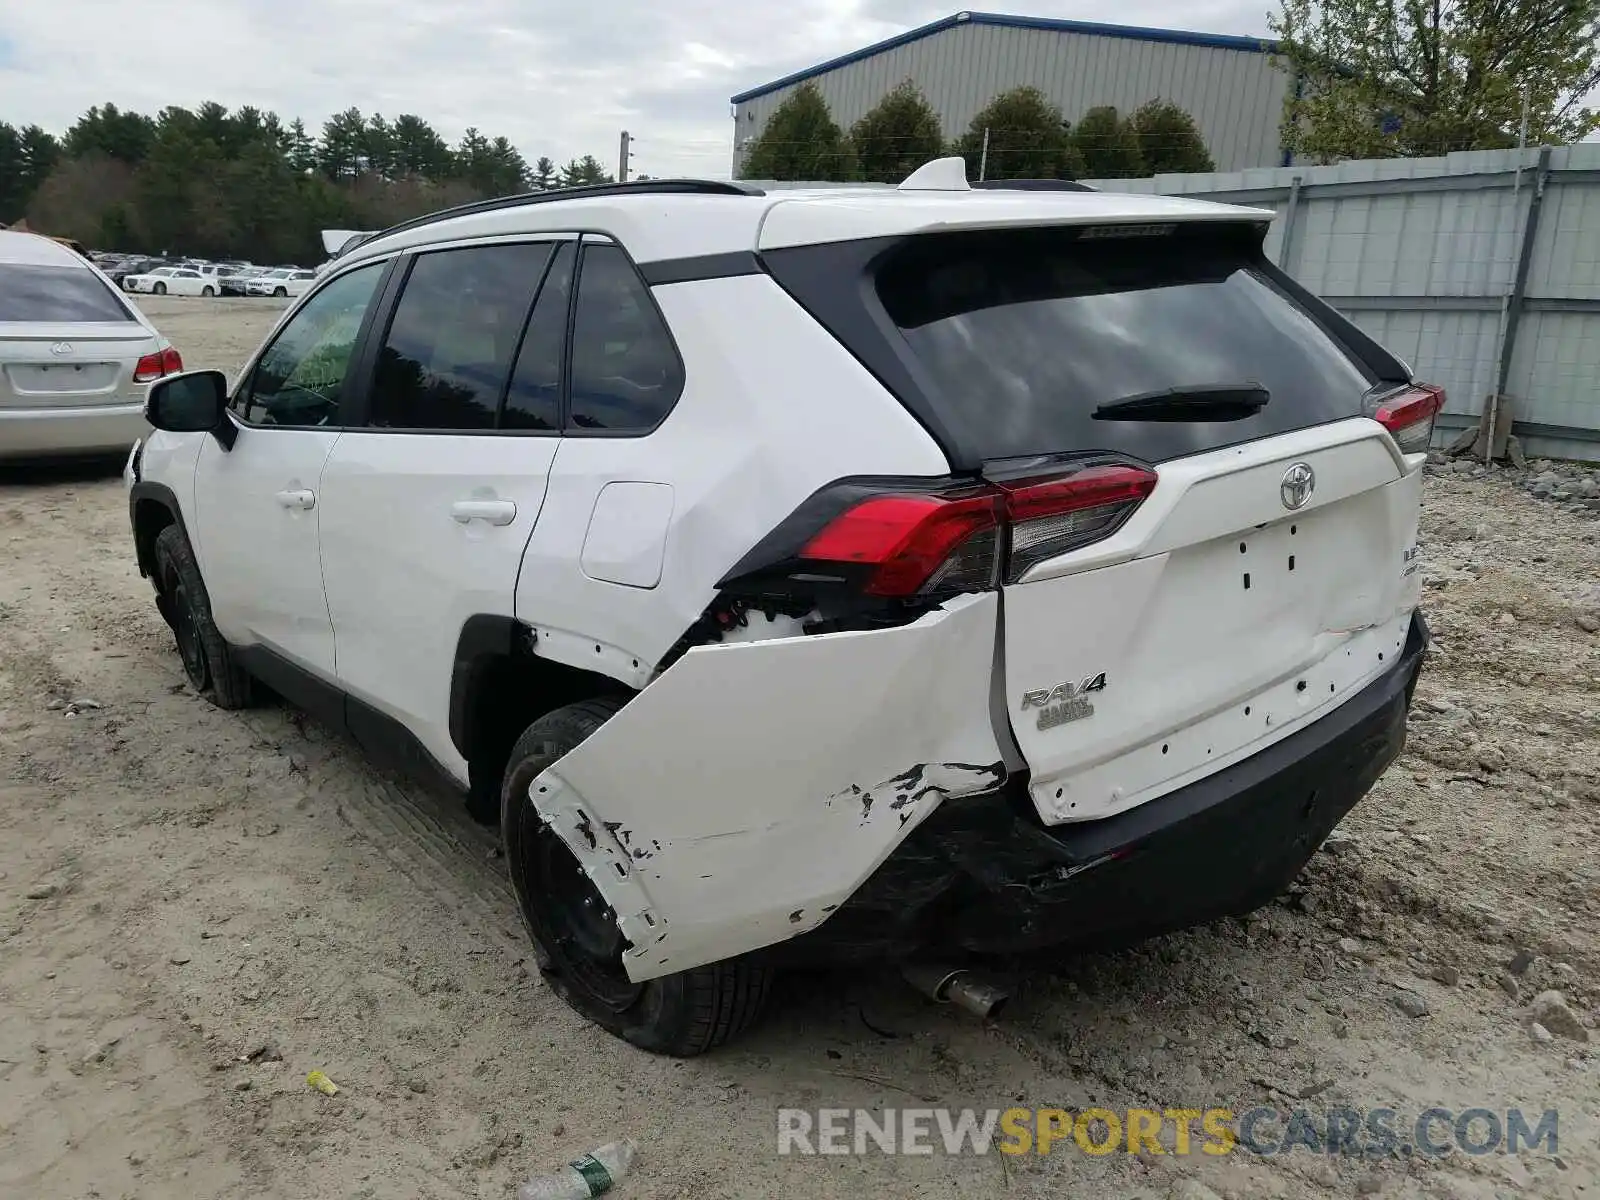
(76,358)
(281,281)
(179,281)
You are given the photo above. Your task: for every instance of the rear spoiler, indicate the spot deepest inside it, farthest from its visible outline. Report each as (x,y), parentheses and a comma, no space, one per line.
(342,241)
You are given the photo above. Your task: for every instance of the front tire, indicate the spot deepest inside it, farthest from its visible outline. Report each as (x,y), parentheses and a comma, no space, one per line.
(208,291)
(207,658)
(575,937)
(160,289)
(280,292)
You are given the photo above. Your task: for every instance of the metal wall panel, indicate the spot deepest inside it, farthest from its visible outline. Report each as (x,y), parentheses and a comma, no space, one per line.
(1235,96)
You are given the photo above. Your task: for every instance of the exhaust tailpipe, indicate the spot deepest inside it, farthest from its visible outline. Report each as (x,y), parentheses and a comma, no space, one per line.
(956,985)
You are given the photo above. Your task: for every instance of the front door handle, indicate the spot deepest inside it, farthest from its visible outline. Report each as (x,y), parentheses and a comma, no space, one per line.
(495,512)
(301,498)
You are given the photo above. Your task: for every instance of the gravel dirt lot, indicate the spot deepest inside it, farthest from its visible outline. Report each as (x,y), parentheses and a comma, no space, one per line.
(197,908)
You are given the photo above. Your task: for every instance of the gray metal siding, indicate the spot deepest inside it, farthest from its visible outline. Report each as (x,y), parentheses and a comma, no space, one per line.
(1422,254)
(1236,96)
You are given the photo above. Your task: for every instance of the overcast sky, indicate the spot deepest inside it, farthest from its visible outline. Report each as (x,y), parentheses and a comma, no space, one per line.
(556,78)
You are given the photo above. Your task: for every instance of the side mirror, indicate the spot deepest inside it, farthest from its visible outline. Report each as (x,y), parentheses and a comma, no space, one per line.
(193,402)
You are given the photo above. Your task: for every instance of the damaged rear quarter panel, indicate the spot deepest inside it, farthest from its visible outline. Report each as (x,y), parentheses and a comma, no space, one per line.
(748,791)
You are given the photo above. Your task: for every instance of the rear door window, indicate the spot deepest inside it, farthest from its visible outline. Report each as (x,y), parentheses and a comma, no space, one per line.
(56,294)
(447,358)
(1021,335)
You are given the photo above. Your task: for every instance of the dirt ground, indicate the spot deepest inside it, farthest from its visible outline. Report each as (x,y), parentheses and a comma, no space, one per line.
(197,908)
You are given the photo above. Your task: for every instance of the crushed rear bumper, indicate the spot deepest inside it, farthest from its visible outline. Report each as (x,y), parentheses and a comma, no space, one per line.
(982,874)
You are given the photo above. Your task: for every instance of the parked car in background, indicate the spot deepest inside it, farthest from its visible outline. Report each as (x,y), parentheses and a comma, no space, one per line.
(178,281)
(233,282)
(133,264)
(280,281)
(75,357)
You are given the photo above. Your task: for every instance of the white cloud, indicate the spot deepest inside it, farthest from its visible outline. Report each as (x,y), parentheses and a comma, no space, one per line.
(556,78)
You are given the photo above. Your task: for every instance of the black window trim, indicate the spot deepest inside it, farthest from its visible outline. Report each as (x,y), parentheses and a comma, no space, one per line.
(596,238)
(352,389)
(366,358)
(355,404)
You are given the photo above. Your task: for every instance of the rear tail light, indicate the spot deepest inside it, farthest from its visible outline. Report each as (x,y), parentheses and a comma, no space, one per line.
(158,365)
(909,540)
(920,544)
(1408,416)
(1052,516)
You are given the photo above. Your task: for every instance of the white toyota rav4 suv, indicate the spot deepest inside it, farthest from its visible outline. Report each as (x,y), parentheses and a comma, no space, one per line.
(884,574)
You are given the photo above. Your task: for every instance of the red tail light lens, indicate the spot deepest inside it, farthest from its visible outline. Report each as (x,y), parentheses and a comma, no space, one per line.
(158,365)
(1409,416)
(920,544)
(914,541)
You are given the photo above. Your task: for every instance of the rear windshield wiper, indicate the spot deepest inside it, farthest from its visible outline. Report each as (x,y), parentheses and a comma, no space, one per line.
(1205,402)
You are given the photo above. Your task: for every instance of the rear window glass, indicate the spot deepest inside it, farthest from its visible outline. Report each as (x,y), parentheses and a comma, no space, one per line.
(35,293)
(1023,334)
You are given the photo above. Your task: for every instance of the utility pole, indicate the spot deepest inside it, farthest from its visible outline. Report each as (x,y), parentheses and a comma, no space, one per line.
(983,161)
(623,156)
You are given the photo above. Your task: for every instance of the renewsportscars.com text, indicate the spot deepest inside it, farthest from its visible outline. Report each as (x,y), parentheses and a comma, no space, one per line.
(1373,1132)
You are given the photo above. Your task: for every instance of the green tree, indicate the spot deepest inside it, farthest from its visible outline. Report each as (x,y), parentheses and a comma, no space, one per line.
(419,151)
(579,171)
(508,173)
(377,146)
(343,144)
(1027,139)
(297,147)
(107,130)
(897,136)
(14,195)
(1169,140)
(1381,79)
(543,176)
(243,183)
(79,195)
(1108,144)
(800,141)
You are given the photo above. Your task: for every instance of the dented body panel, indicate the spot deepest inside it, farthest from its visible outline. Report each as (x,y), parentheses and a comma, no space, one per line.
(749,790)
(1199,633)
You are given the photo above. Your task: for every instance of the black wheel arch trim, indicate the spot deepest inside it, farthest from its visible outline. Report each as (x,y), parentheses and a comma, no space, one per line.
(484,639)
(160,493)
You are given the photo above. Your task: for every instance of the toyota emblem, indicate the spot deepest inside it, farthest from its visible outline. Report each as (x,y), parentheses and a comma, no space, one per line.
(1299,481)
(61,348)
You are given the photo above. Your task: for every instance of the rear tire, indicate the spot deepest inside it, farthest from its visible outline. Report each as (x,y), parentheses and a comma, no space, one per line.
(576,941)
(208,291)
(207,658)
(160,289)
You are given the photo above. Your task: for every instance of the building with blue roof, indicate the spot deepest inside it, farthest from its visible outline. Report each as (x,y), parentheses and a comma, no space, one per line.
(1232,86)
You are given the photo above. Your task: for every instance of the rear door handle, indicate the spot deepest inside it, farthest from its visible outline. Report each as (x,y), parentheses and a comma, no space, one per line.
(301,498)
(495,512)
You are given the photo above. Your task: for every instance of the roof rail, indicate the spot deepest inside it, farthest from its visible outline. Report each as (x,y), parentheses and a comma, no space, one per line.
(659,187)
(1034,185)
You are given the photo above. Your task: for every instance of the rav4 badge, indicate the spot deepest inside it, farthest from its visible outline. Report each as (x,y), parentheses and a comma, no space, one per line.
(1065,702)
